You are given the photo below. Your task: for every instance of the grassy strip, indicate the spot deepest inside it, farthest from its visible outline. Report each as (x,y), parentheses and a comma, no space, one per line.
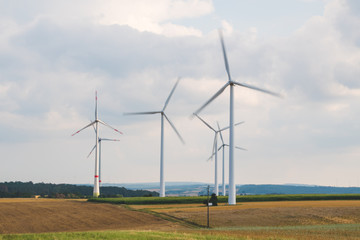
(136,235)
(337,231)
(319,232)
(221,199)
(346,226)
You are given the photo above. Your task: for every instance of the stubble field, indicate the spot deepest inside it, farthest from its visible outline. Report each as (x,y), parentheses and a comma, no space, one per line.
(55,215)
(319,220)
(270,214)
(253,220)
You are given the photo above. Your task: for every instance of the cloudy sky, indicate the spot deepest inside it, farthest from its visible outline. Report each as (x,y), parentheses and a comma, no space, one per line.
(54,55)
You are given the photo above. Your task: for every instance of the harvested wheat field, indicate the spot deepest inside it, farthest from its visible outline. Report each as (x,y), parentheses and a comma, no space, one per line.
(267,214)
(53,215)
(316,220)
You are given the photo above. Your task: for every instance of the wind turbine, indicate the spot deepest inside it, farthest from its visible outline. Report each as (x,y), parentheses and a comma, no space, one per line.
(101,139)
(231,83)
(162,113)
(214,152)
(95,123)
(223,160)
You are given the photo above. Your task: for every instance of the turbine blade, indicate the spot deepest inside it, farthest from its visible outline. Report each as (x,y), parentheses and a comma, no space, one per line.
(171,93)
(224,128)
(91,151)
(142,113)
(173,127)
(244,149)
(224,53)
(211,157)
(108,139)
(205,122)
(239,123)
(229,126)
(221,137)
(214,143)
(105,124)
(83,128)
(257,89)
(211,99)
(94,127)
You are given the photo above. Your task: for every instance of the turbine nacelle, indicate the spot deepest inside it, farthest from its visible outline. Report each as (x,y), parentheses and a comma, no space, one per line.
(216,132)
(95,124)
(232,83)
(163,115)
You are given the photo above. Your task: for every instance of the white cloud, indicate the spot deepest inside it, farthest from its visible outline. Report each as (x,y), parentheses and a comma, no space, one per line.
(172,30)
(154,16)
(52,63)
(227,28)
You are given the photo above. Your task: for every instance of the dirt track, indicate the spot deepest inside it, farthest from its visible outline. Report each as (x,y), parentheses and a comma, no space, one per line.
(50,215)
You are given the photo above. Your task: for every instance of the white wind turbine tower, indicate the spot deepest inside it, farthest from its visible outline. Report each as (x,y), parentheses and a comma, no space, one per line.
(95,123)
(162,112)
(231,83)
(223,160)
(214,151)
(100,140)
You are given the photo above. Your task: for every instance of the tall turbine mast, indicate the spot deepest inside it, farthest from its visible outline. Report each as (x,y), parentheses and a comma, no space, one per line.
(95,123)
(100,140)
(223,159)
(214,151)
(163,115)
(231,83)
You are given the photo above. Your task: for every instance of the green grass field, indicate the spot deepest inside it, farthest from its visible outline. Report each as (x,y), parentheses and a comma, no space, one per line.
(221,199)
(338,231)
(320,232)
(136,235)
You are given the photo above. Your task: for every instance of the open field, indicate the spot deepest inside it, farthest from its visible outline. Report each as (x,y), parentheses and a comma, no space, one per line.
(51,215)
(134,235)
(333,219)
(318,220)
(265,214)
(325,232)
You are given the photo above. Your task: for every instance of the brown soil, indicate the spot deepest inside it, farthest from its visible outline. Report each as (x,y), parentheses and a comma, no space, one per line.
(49,215)
(269,213)
(244,219)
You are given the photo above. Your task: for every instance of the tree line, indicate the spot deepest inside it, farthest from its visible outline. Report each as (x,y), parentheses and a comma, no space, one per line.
(260,189)
(49,190)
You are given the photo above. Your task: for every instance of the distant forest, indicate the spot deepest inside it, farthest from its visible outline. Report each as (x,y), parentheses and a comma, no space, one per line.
(291,189)
(261,189)
(49,190)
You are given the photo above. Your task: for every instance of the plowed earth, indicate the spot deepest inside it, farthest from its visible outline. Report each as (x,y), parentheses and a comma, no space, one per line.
(242,220)
(50,215)
(270,214)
